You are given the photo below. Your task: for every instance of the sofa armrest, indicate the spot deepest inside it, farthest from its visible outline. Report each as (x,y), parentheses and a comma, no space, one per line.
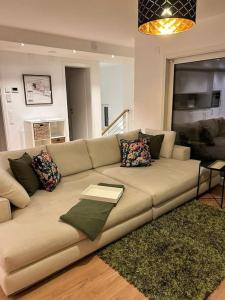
(181,152)
(5,210)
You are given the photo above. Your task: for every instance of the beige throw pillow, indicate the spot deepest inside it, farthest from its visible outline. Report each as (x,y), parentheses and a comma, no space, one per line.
(168,141)
(129,135)
(12,190)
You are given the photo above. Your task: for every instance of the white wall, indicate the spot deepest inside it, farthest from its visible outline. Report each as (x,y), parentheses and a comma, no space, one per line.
(13,65)
(117,88)
(150,67)
(3,145)
(112,89)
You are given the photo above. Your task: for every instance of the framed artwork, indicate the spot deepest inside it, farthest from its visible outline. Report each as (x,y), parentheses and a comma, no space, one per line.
(37,89)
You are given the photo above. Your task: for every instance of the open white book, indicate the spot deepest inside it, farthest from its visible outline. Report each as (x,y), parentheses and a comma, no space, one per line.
(102,193)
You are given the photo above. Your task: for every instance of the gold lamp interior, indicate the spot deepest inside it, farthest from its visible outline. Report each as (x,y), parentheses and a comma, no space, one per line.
(166,26)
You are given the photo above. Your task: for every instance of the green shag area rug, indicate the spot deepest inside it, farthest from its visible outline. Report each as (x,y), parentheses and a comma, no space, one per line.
(180,256)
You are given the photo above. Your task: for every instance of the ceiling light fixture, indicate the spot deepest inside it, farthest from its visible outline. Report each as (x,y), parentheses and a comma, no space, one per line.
(22,44)
(163,17)
(113,56)
(74,51)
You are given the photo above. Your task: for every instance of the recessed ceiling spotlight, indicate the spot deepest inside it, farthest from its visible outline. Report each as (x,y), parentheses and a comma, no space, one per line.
(113,56)
(74,51)
(22,44)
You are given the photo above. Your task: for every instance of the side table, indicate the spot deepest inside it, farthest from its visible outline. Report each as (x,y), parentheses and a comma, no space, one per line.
(207,165)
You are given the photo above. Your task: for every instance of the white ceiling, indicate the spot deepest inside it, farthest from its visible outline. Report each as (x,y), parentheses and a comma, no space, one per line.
(109,21)
(105,59)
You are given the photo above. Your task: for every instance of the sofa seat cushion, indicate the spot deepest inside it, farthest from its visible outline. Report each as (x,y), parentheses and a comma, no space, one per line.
(210,152)
(212,125)
(36,232)
(163,180)
(218,150)
(219,141)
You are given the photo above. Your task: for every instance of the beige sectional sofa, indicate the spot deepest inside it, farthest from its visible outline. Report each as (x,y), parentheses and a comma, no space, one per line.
(34,243)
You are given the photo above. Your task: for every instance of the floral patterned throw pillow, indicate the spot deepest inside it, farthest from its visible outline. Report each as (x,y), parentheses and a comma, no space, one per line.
(135,153)
(46,170)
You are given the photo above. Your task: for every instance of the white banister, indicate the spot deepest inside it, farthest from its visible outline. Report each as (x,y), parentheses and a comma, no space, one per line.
(119,125)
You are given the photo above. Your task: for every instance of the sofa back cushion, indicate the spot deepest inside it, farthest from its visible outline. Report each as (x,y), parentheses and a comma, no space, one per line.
(221,122)
(12,190)
(71,157)
(212,125)
(6,155)
(104,151)
(130,135)
(168,141)
(187,133)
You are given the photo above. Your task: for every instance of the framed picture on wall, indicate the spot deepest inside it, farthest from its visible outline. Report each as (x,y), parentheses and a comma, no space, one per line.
(37,89)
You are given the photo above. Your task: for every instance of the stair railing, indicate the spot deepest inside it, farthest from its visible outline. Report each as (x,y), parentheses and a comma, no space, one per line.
(119,125)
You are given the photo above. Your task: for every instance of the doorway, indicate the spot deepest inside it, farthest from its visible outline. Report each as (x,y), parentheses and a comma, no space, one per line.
(78,102)
(3,143)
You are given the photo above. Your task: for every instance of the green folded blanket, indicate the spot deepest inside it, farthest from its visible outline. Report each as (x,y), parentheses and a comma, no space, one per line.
(90,216)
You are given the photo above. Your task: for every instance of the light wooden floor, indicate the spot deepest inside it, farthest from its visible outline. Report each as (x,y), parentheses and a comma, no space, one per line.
(92,279)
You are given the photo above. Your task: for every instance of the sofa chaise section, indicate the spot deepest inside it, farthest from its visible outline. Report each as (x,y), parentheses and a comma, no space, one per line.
(35,244)
(36,232)
(35,235)
(23,278)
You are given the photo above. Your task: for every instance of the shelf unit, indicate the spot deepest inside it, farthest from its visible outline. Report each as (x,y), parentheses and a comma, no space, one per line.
(197,101)
(44,132)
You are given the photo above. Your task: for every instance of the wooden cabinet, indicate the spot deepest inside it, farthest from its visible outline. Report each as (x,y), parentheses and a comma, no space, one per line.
(58,140)
(41,131)
(44,132)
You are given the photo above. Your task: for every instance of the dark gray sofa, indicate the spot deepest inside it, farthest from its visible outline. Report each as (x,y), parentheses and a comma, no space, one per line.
(205,137)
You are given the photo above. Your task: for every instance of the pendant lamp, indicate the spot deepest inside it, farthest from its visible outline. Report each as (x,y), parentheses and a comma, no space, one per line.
(163,17)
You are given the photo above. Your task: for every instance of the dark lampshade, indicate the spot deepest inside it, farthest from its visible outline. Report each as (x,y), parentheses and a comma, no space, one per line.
(160,17)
